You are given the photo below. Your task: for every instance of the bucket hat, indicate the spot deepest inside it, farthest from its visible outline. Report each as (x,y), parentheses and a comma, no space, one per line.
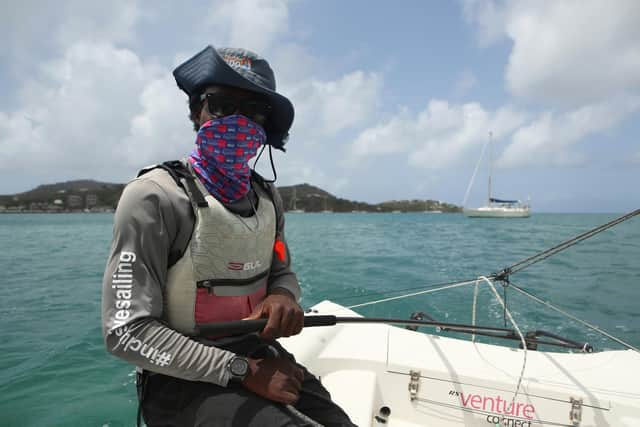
(243,69)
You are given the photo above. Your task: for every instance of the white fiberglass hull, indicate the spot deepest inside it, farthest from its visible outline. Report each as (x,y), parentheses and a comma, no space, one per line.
(497,212)
(367,368)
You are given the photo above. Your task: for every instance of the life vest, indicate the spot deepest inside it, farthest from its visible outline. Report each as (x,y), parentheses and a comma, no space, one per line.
(223,272)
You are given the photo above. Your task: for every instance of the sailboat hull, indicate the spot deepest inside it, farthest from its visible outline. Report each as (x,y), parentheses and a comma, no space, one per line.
(497,212)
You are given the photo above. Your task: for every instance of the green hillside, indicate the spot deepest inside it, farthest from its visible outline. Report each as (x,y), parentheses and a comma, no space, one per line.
(100,196)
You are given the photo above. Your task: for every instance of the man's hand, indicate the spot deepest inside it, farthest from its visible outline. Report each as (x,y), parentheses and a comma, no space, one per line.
(285,316)
(274,379)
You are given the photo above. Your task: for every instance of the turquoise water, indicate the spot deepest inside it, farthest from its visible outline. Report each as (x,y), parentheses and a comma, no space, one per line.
(54,370)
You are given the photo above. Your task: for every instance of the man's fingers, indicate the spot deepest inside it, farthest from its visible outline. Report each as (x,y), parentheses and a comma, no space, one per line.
(257,313)
(295,383)
(273,324)
(299,322)
(288,322)
(298,374)
(288,397)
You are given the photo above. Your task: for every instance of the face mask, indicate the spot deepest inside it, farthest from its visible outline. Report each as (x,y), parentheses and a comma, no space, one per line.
(221,156)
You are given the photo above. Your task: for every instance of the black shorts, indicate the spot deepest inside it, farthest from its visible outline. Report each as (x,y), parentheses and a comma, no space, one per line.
(172,402)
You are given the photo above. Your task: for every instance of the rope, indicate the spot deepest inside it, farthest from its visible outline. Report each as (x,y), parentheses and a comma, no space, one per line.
(395,291)
(562,246)
(455,285)
(515,326)
(572,317)
(473,309)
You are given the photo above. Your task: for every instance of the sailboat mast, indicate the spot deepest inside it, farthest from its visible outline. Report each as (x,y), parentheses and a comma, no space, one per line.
(490,161)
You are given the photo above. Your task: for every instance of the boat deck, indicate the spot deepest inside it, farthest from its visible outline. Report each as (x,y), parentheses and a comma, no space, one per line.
(368,368)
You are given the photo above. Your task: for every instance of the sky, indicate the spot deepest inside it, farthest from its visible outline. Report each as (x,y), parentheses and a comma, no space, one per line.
(394,100)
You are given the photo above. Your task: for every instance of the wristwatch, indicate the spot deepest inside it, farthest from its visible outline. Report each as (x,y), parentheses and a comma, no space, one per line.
(238,367)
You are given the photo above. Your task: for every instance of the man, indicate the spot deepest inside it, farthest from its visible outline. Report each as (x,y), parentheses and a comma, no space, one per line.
(202,241)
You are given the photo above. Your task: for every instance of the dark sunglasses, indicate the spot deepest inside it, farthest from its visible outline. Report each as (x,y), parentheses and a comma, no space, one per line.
(224,105)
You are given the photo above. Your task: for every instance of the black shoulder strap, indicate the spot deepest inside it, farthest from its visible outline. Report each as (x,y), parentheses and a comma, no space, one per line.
(184,179)
(259,179)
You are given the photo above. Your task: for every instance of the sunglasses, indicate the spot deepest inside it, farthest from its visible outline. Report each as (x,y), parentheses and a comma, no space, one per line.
(224,105)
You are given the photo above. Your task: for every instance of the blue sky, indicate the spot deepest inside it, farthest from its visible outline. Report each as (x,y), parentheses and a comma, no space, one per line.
(392,101)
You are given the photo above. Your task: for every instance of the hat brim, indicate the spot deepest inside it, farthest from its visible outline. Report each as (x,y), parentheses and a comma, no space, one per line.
(207,68)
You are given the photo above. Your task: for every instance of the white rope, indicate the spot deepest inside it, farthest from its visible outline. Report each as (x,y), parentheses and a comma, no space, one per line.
(515,326)
(473,310)
(570,316)
(455,285)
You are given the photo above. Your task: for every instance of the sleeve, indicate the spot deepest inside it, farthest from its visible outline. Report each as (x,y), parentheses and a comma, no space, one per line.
(281,275)
(145,224)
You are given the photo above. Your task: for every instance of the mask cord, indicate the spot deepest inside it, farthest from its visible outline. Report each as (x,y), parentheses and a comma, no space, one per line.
(273,167)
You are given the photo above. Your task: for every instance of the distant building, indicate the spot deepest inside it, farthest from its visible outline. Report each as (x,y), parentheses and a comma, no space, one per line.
(91,200)
(38,206)
(74,201)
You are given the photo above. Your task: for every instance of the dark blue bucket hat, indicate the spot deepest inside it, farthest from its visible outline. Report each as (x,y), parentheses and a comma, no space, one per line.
(243,69)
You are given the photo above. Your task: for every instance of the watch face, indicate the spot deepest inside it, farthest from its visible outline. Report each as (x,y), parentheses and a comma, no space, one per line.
(239,366)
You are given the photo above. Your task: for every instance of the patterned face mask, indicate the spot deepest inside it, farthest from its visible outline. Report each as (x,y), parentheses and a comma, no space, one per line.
(221,156)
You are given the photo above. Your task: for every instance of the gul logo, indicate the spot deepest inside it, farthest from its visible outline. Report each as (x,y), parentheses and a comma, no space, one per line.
(244,266)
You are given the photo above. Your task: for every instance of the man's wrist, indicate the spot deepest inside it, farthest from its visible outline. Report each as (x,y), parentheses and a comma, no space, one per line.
(238,368)
(281,291)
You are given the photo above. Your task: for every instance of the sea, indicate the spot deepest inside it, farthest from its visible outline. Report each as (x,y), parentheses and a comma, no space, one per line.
(54,370)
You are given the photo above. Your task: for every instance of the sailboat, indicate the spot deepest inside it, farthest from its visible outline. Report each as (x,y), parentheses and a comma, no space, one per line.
(495,208)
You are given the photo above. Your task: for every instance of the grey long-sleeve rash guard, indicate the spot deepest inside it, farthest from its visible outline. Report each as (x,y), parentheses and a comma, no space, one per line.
(152,224)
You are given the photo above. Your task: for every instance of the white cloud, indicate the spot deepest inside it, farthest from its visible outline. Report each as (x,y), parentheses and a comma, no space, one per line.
(489,16)
(31,26)
(569,52)
(76,115)
(252,24)
(325,108)
(549,139)
(162,129)
(437,137)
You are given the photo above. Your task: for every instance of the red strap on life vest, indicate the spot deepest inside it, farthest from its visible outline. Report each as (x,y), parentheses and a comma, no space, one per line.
(280,250)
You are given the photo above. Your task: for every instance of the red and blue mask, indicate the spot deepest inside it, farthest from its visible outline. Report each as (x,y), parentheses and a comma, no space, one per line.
(221,157)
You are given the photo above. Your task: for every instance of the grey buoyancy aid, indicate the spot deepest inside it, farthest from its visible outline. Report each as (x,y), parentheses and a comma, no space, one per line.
(223,272)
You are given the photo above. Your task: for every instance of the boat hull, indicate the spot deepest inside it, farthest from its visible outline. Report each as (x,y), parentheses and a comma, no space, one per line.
(368,370)
(496,212)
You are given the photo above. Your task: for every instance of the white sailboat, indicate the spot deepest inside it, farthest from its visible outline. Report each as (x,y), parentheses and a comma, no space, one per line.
(495,208)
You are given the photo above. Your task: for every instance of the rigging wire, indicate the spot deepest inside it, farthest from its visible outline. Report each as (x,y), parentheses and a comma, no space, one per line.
(504,274)
(412,288)
(428,291)
(527,262)
(519,266)
(572,317)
